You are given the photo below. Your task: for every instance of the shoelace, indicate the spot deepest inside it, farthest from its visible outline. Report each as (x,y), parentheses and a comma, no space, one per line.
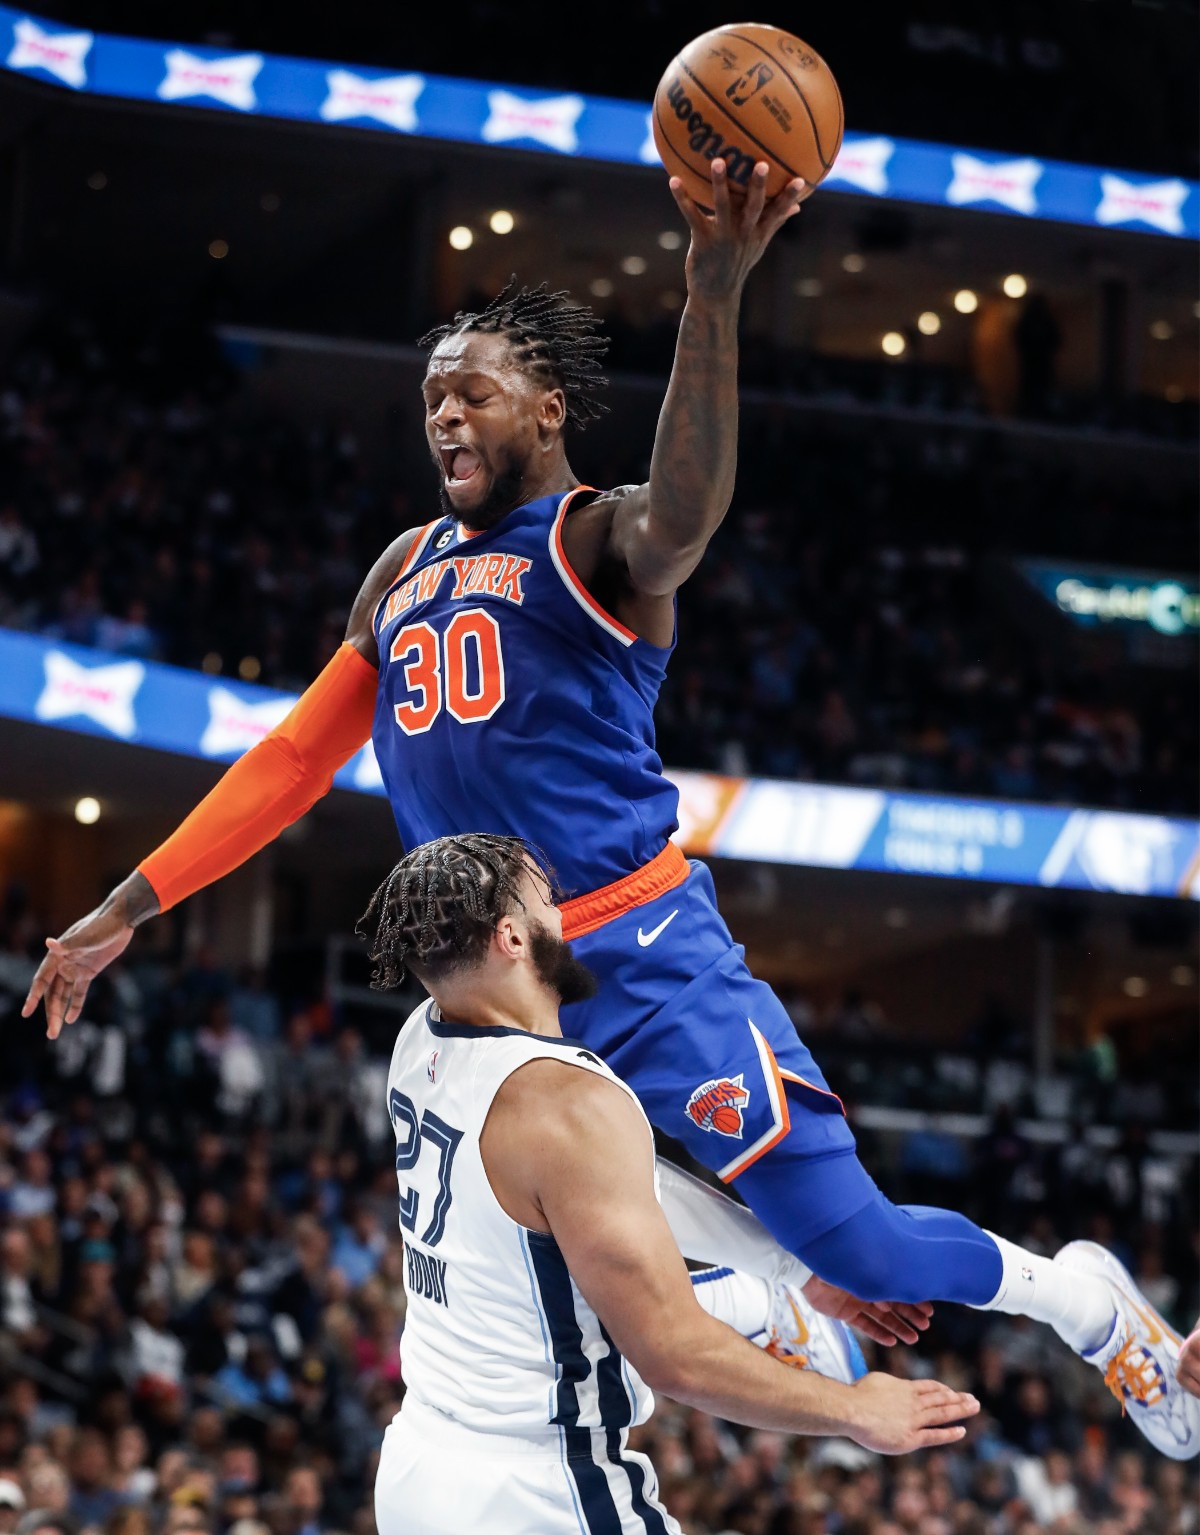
(1132,1372)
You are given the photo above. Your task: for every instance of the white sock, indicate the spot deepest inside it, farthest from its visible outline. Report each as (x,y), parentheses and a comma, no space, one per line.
(1078,1306)
(741,1301)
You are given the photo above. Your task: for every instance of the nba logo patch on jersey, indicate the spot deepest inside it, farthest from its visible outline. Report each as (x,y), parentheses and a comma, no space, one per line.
(431,1069)
(718,1104)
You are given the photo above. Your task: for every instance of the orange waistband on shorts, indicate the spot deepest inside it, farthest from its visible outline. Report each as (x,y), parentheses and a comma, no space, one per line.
(588,912)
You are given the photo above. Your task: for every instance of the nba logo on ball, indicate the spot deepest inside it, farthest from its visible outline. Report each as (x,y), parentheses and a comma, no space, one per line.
(718,1104)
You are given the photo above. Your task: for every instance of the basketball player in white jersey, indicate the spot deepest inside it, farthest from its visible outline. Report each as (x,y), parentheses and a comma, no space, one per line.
(547,1297)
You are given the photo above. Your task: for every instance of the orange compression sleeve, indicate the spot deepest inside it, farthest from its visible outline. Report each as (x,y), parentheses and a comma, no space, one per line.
(272,785)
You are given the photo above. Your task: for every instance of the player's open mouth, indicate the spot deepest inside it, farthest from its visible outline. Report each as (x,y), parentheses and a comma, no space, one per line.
(459,464)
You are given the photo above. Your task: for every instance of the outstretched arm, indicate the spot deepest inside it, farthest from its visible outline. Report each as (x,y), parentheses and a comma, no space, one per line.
(660,531)
(577,1148)
(262,793)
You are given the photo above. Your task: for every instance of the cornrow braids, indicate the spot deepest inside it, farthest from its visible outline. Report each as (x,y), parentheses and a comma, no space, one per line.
(436,911)
(555,340)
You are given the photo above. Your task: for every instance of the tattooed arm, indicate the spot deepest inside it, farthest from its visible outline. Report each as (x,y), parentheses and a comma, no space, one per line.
(659,531)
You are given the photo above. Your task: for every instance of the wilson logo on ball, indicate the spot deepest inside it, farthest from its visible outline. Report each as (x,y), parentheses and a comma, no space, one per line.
(703,138)
(718,1104)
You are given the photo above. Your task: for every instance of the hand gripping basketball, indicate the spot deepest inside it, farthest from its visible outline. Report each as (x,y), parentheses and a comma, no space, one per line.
(728,242)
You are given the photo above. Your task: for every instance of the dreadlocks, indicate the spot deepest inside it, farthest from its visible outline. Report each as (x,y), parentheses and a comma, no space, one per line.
(554,340)
(437,909)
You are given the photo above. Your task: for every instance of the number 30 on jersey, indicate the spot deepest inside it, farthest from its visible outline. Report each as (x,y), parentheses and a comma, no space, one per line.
(461,671)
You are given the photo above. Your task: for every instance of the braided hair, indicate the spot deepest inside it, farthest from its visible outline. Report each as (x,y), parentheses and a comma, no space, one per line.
(555,340)
(438,908)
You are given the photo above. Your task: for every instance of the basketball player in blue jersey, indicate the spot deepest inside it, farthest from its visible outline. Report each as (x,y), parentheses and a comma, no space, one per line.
(505,660)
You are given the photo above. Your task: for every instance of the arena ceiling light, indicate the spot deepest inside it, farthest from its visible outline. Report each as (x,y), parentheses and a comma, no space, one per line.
(601,287)
(97,181)
(852,262)
(633,266)
(670,239)
(809,287)
(894,344)
(1162,330)
(502,222)
(1015,286)
(461,238)
(965,301)
(87,810)
(929,323)
(218,249)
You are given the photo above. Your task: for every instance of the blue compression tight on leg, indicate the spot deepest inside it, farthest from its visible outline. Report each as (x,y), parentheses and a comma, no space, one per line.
(908,1253)
(886,1252)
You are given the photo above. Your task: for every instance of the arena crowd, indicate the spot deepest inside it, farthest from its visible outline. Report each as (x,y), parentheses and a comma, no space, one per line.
(847,625)
(202,1313)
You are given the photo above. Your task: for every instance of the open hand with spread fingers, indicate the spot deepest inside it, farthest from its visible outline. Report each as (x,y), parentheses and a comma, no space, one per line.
(893,1417)
(728,242)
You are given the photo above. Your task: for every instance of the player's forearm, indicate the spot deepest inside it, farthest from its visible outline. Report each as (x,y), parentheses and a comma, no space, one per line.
(261,794)
(695,447)
(718,1372)
(272,785)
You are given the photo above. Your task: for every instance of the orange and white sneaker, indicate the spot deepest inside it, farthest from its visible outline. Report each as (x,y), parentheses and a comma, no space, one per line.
(806,1340)
(1139,1360)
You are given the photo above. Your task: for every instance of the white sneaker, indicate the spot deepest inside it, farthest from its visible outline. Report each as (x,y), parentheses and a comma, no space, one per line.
(806,1340)
(1139,1360)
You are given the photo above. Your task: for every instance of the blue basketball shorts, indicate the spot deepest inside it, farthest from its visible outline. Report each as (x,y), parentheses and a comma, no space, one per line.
(715,1059)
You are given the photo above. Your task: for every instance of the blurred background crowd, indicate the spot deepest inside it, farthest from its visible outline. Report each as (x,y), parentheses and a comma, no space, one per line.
(210,428)
(203,1313)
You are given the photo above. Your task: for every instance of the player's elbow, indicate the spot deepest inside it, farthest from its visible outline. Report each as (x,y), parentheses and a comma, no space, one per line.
(666,1376)
(674,1361)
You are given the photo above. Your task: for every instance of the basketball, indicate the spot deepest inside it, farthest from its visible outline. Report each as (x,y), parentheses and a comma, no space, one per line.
(744,93)
(726,1119)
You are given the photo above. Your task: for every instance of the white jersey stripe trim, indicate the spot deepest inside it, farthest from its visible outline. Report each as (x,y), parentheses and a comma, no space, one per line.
(541,1316)
(574,585)
(743,1158)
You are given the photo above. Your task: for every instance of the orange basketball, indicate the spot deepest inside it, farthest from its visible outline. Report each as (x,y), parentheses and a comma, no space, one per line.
(747,92)
(727,1119)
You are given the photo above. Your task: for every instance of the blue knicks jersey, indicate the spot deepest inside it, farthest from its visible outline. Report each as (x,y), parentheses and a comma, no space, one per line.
(511,702)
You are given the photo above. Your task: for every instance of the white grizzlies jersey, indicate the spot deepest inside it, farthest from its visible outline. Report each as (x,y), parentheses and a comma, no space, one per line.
(497,1336)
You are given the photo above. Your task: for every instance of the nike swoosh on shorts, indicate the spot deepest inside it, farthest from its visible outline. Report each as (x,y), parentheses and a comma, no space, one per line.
(646,939)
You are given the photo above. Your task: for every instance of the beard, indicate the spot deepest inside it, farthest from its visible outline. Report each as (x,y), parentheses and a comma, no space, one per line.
(557,967)
(499,501)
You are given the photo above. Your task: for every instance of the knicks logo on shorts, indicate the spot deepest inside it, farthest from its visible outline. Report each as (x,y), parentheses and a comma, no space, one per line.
(718,1104)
